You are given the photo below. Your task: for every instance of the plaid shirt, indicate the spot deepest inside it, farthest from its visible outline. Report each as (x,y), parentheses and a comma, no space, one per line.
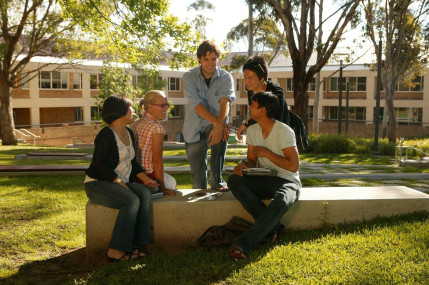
(143,129)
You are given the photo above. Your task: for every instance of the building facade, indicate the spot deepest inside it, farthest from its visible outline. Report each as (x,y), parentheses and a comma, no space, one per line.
(61,98)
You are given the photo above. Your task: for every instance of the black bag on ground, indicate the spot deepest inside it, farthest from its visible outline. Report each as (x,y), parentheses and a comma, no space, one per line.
(299,129)
(224,235)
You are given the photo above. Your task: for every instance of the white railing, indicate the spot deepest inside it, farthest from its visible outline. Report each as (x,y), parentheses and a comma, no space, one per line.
(31,134)
(399,146)
(26,133)
(23,136)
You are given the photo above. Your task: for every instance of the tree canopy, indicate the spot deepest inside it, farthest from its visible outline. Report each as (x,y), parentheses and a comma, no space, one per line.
(137,32)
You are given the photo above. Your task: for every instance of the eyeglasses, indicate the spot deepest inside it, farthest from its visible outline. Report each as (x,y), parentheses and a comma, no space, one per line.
(162,105)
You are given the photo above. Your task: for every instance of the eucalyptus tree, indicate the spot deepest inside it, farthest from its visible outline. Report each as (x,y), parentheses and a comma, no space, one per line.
(200,21)
(298,19)
(401,24)
(124,31)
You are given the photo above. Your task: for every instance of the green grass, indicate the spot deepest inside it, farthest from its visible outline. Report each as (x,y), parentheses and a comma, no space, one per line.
(42,217)
(383,251)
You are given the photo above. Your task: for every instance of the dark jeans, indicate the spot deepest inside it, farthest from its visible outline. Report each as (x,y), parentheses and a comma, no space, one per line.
(250,191)
(197,156)
(135,208)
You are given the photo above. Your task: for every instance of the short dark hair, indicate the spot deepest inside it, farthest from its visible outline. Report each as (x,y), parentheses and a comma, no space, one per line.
(115,107)
(269,101)
(257,64)
(207,46)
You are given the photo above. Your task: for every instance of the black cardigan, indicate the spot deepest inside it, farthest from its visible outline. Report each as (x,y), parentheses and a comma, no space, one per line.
(281,115)
(106,157)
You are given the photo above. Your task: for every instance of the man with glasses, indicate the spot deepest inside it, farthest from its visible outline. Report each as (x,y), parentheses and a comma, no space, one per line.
(209,90)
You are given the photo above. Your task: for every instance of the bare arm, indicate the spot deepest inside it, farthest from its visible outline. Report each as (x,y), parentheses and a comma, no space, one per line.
(218,132)
(158,166)
(290,161)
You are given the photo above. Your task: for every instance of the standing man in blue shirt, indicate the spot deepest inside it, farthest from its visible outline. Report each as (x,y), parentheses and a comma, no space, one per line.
(209,90)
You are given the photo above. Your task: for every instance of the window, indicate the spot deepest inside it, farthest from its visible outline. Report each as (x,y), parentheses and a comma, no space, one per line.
(77,81)
(174,84)
(53,80)
(310,112)
(237,84)
(78,114)
(415,86)
(95,80)
(354,114)
(355,84)
(289,84)
(95,113)
(166,137)
(176,111)
(25,80)
(312,85)
(408,115)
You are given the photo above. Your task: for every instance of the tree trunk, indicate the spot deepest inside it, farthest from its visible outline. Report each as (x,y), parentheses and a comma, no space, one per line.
(391,126)
(250,51)
(7,125)
(316,105)
(300,94)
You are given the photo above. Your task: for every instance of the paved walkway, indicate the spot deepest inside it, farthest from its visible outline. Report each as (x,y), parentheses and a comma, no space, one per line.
(349,174)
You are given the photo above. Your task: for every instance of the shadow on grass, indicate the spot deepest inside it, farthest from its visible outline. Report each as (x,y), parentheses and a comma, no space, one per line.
(55,270)
(194,265)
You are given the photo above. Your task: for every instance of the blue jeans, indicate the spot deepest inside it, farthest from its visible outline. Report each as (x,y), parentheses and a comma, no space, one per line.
(197,155)
(135,210)
(250,191)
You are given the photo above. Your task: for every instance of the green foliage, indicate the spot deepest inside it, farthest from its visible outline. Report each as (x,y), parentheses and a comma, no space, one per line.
(237,62)
(326,143)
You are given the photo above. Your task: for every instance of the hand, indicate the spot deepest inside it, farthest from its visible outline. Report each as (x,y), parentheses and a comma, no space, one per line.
(226,132)
(260,151)
(123,185)
(148,182)
(240,132)
(169,192)
(238,170)
(216,134)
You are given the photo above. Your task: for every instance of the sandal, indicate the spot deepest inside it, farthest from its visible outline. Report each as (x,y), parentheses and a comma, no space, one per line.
(140,251)
(237,253)
(278,232)
(123,257)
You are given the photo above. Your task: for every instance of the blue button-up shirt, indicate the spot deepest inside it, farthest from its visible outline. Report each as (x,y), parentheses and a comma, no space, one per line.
(197,92)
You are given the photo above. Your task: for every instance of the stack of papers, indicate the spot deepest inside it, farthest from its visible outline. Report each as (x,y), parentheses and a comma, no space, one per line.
(259,172)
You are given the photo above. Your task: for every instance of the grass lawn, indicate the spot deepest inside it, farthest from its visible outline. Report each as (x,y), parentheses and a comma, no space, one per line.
(42,226)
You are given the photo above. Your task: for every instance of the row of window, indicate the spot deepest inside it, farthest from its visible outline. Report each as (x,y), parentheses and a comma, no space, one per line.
(59,80)
(403,114)
(358,84)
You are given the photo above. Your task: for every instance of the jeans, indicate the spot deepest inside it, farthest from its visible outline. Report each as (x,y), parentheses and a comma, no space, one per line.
(135,210)
(197,155)
(250,190)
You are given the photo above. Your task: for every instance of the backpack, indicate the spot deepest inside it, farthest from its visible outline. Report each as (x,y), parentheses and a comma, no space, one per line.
(224,235)
(299,129)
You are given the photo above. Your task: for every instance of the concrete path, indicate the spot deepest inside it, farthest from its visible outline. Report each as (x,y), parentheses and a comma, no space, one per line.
(355,174)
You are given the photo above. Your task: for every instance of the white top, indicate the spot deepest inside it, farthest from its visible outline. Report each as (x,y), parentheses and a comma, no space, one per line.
(126,155)
(280,137)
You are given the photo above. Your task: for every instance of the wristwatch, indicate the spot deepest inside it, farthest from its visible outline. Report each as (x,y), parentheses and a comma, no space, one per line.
(117,180)
(242,162)
(245,123)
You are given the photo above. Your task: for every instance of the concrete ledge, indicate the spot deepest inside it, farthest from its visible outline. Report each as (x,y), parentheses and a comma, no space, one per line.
(183,218)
